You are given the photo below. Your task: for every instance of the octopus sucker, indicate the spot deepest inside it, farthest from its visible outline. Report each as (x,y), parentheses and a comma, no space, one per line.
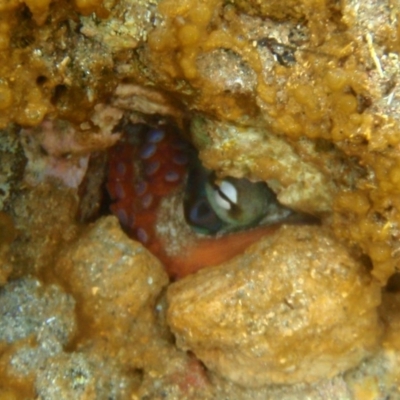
(143,168)
(225,216)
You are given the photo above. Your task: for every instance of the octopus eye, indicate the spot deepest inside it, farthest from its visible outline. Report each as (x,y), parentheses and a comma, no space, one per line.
(232,204)
(202,217)
(226,195)
(239,202)
(198,211)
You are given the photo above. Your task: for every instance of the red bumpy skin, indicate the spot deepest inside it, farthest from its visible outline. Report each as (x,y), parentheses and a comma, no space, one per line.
(147,165)
(142,169)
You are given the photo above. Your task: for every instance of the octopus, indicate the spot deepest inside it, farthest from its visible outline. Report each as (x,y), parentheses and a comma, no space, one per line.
(225,216)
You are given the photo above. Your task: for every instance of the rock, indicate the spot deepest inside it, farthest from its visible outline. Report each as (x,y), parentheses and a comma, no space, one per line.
(37,322)
(112,275)
(295,307)
(117,283)
(7,236)
(258,154)
(82,376)
(45,220)
(28,308)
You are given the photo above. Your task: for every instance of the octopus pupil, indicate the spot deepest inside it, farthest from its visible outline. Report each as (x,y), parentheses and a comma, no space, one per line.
(202,211)
(203,219)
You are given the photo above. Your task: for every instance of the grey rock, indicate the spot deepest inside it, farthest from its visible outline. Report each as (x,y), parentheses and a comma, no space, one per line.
(27,308)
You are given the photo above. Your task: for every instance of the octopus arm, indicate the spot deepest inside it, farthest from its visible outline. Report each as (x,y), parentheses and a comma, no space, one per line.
(213,251)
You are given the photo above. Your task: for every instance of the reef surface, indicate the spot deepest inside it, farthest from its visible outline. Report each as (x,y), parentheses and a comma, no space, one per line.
(255,141)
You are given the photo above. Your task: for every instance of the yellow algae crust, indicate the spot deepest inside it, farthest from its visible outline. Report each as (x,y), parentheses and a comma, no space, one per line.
(336,90)
(301,94)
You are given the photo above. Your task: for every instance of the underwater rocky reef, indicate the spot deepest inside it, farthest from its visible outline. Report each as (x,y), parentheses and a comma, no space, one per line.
(199,199)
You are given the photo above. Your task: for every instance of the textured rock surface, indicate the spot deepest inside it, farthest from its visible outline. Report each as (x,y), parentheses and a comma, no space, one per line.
(260,155)
(45,219)
(117,282)
(319,72)
(111,274)
(121,347)
(318,83)
(315,313)
(37,322)
(28,308)
(82,376)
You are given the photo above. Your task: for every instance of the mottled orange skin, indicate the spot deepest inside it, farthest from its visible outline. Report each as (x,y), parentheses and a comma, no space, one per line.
(213,251)
(126,169)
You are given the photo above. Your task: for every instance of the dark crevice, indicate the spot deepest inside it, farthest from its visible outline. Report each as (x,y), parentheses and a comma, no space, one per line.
(393,285)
